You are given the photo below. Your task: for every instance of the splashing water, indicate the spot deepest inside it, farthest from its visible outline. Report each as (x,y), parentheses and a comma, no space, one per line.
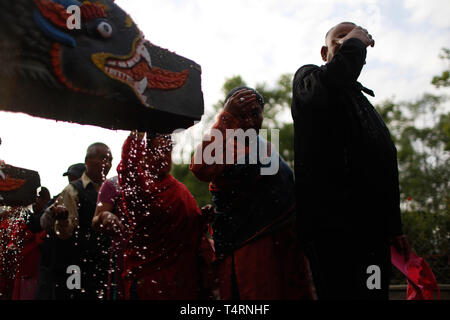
(12,233)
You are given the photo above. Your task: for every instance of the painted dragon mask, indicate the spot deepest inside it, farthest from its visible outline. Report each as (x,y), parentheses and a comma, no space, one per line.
(104,73)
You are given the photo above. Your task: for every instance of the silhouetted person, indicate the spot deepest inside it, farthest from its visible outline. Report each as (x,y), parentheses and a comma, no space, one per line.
(347,187)
(257,254)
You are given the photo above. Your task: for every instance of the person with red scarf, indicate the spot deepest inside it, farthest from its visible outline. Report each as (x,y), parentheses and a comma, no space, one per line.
(21,244)
(166,236)
(8,250)
(258,256)
(26,278)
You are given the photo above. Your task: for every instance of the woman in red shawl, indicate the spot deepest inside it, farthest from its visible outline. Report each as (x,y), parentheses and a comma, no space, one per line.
(257,252)
(26,278)
(166,233)
(8,252)
(20,250)
(32,237)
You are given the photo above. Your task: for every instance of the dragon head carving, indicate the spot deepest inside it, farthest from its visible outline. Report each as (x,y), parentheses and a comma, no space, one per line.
(88,62)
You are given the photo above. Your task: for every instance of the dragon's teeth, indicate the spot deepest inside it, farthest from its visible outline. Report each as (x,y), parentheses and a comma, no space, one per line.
(146,55)
(113,72)
(123,64)
(132,62)
(141,85)
(123,76)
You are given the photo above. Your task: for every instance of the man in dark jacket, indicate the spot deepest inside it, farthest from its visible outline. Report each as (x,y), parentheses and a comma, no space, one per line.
(347,188)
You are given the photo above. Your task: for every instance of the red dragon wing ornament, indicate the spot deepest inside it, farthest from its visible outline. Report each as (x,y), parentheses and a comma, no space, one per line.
(18,186)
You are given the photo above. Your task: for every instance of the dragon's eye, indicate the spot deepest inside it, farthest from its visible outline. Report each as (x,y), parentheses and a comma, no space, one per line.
(105,29)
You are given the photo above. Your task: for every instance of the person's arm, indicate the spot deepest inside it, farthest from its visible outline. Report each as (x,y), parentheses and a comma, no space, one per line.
(100,209)
(203,170)
(398,239)
(64,228)
(47,221)
(105,202)
(313,83)
(52,214)
(34,222)
(229,118)
(104,218)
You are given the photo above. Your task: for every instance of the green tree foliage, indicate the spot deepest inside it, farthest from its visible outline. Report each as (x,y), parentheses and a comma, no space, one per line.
(443,80)
(421,131)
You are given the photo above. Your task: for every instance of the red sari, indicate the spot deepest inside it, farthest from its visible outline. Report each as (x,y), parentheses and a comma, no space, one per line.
(162,254)
(7,258)
(20,256)
(26,280)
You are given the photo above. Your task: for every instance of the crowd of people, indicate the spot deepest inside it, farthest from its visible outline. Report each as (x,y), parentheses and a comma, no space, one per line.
(141,235)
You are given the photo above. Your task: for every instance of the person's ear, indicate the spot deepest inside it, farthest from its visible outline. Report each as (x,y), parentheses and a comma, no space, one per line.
(324,53)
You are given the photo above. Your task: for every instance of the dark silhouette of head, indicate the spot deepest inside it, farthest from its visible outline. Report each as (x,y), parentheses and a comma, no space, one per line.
(332,37)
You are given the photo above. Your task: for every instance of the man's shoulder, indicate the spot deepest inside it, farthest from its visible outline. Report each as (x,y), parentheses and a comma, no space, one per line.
(305,70)
(76,185)
(70,189)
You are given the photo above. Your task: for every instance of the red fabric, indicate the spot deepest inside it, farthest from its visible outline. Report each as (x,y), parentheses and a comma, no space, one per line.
(24,251)
(6,258)
(165,230)
(27,274)
(54,12)
(421,281)
(25,288)
(12,229)
(91,11)
(30,255)
(21,253)
(272,267)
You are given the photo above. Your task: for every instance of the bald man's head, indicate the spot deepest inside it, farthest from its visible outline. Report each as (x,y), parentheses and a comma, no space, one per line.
(329,31)
(332,37)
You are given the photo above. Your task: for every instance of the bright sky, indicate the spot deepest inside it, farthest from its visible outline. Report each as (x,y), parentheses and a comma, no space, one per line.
(259,40)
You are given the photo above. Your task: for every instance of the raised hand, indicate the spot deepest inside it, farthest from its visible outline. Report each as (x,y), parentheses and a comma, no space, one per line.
(59,212)
(361,34)
(111,223)
(239,100)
